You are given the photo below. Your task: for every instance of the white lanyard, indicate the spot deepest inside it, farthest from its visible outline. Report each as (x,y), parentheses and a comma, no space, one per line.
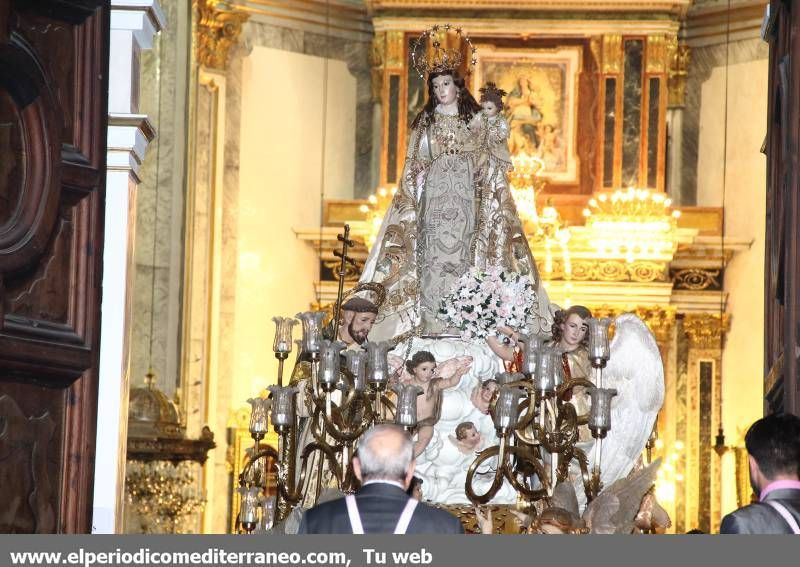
(781,509)
(355,517)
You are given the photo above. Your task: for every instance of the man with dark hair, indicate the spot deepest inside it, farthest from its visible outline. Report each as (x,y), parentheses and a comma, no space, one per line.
(773,446)
(385,467)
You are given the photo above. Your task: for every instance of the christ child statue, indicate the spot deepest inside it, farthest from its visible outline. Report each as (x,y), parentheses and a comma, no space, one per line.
(494,123)
(423,372)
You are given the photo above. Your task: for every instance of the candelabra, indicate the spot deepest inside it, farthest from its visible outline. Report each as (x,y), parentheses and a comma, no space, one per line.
(338,394)
(317,435)
(537,428)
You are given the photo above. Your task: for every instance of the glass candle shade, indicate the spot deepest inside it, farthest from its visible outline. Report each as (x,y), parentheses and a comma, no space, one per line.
(267,505)
(248,508)
(529,345)
(406,413)
(258,416)
(599,351)
(330,362)
(549,373)
(283,406)
(504,378)
(377,362)
(600,412)
(506,410)
(283,335)
(312,330)
(356,361)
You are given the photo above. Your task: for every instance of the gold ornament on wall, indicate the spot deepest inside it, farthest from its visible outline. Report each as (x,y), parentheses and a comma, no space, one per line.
(219,25)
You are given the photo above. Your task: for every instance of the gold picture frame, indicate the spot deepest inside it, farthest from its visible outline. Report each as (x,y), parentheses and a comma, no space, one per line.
(541,106)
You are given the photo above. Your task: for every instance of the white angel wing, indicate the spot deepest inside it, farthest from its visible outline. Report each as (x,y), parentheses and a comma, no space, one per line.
(636,371)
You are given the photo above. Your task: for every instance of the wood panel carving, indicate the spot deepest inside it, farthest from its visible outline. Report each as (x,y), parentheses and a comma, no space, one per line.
(29,473)
(53,85)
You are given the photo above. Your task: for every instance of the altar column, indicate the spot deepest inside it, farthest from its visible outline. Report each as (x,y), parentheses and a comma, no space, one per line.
(133,27)
(705,334)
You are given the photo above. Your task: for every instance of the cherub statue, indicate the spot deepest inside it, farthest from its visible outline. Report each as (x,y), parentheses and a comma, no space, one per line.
(467,438)
(423,372)
(482,393)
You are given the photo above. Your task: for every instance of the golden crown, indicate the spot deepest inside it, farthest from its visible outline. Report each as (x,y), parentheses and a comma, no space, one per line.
(438,58)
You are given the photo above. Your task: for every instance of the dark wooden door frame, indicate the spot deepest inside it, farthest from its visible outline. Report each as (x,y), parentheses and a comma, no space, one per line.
(53,71)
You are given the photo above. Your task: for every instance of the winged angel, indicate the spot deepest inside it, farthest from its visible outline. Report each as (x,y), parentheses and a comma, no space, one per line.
(636,371)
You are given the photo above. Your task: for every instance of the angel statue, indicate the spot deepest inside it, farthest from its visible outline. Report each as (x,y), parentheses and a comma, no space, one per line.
(453,209)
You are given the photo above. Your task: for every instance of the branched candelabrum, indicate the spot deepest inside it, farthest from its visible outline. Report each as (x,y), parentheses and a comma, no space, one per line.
(319,418)
(538,429)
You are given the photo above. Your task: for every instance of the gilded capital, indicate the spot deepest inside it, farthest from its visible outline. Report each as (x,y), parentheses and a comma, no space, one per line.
(219,25)
(706,330)
(612,53)
(657,53)
(395,49)
(679,58)
(378,63)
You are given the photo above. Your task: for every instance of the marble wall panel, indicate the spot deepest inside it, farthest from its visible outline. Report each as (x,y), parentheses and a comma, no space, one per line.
(160,197)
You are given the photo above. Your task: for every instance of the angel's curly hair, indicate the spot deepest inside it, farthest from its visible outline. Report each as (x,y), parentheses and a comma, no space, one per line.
(561,317)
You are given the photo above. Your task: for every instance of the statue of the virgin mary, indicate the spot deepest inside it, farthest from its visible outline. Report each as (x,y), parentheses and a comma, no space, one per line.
(453,209)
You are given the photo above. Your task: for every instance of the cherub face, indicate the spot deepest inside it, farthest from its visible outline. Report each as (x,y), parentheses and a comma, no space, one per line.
(488,390)
(490,108)
(424,371)
(574,330)
(471,437)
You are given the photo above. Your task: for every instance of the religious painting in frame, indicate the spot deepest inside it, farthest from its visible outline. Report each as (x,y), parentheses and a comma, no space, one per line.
(541,105)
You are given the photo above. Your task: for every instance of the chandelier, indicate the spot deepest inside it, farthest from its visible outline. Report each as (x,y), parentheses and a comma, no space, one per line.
(635,224)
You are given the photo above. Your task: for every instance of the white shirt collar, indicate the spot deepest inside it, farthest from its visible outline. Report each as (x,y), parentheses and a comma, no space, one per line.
(382,481)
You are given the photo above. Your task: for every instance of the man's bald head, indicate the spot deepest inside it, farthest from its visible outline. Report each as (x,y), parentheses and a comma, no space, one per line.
(385,452)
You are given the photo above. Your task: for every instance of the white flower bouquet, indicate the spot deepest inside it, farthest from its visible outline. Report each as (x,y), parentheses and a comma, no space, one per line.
(487,299)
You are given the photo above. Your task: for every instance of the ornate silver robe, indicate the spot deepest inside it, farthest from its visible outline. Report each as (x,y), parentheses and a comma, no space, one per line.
(452,210)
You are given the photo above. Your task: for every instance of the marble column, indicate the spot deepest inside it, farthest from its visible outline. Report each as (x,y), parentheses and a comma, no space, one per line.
(134,24)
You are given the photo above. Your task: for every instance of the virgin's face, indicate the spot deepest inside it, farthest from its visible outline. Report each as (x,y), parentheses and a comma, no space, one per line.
(445,89)
(574,329)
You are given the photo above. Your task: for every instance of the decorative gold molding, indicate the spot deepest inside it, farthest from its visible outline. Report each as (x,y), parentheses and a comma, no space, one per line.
(660,320)
(696,279)
(706,330)
(612,53)
(219,25)
(679,58)
(604,270)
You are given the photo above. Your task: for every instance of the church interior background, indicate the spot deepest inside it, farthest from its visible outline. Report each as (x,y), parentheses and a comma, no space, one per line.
(267,125)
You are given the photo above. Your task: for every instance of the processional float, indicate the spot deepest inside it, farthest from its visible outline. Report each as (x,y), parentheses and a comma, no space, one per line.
(320,417)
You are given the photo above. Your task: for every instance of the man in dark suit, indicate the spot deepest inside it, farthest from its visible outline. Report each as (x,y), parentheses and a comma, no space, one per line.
(384,465)
(773,445)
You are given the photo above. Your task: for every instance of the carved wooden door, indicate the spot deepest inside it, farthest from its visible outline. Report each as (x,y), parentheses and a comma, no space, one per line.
(53,85)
